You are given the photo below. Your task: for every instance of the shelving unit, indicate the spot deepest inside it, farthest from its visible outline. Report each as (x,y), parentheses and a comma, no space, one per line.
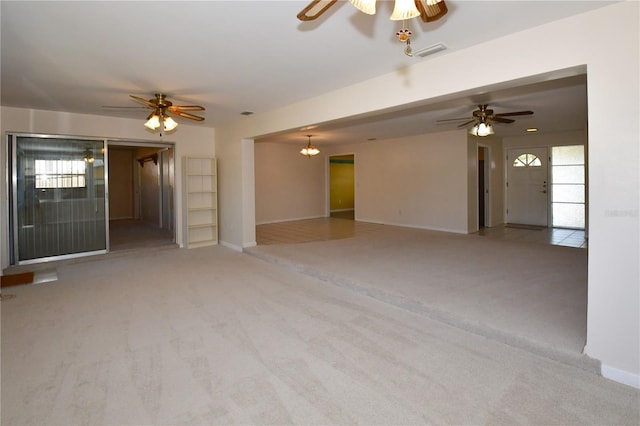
(201,201)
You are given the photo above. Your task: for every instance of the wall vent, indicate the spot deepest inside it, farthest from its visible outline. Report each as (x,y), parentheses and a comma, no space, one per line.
(430,50)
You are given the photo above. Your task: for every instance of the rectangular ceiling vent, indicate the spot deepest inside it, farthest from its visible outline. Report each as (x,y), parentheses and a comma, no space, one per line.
(430,50)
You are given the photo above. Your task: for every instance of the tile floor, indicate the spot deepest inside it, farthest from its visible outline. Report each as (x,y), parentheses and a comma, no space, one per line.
(332,228)
(554,236)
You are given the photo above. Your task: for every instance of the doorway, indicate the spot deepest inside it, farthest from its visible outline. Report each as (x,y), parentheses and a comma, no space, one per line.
(484,203)
(141,195)
(527,188)
(342,186)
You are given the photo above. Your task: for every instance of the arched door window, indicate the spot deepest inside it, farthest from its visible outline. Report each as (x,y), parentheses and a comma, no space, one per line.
(527,160)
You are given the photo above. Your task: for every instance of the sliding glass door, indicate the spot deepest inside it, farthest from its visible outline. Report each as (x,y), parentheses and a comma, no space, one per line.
(58,198)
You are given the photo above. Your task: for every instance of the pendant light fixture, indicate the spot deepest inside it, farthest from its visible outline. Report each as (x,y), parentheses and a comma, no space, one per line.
(309,150)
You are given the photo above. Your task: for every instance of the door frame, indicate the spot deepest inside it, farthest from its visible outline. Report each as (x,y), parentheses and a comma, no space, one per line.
(507,164)
(328,183)
(488,194)
(162,147)
(12,222)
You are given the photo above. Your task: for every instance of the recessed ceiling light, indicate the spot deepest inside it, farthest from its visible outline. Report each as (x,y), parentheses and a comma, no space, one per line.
(532,129)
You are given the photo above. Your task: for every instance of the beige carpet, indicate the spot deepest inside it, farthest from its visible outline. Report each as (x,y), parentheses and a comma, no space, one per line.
(532,296)
(210,336)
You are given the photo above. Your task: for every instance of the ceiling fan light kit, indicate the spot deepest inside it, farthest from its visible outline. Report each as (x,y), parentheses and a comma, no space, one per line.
(365,6)
(160,118)
(427,10)
(482,130)
(404,9)
(482,119)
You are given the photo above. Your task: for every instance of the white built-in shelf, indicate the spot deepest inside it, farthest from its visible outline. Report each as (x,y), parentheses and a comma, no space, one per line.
(201,201)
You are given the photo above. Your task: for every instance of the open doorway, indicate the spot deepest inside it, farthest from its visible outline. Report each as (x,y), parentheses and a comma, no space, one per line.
(141,195)
(342,186)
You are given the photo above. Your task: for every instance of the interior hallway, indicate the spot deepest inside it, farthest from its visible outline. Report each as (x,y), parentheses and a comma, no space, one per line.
(523,287)
(135,234)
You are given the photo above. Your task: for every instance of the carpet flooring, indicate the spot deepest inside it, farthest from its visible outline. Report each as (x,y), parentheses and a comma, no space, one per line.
(532,296)
(211,336)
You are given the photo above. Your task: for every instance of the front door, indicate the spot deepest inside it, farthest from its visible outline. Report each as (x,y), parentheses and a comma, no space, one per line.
(527,186)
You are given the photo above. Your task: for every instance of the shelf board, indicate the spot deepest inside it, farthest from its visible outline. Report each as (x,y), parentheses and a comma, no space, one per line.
(204,225)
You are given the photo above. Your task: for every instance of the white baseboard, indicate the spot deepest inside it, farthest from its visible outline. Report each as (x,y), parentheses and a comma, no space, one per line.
(248,245)
(231,246)
(621,376)
(291,219)
(425,228)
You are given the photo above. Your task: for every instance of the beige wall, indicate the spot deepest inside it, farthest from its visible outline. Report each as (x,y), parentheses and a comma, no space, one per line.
(120,184)
(288,185)
(149,175)
(417,181)
(420,181)
(603,42)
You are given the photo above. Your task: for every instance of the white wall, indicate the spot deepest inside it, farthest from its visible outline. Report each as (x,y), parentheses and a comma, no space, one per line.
(288,185)
(189,140)
(605,43)
(531,140)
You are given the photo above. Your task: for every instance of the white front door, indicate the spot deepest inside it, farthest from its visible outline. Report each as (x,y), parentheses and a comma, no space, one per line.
(527,186)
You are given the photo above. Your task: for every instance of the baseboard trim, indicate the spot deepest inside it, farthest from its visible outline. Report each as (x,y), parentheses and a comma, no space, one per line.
(620,376)
(231,246)
(268,222)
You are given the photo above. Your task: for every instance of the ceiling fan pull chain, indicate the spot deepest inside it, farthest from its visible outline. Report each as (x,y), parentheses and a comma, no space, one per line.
(404,36)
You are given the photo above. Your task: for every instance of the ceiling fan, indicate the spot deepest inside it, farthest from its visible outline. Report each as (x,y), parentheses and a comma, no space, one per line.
(430,10)
(161,108)
(482,119)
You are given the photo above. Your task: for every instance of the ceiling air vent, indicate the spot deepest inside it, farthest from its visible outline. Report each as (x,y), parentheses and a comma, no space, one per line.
(429,50)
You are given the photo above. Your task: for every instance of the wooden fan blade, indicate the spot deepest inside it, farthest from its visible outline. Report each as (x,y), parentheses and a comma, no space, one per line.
(143,101)
(186,108)
(509,114)
(430,13)
(452,119)
(467,123)
(187,115)
(123,107)
(502,120)
(315,9)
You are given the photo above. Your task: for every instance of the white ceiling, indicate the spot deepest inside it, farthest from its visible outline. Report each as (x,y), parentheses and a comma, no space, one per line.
(235,56)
